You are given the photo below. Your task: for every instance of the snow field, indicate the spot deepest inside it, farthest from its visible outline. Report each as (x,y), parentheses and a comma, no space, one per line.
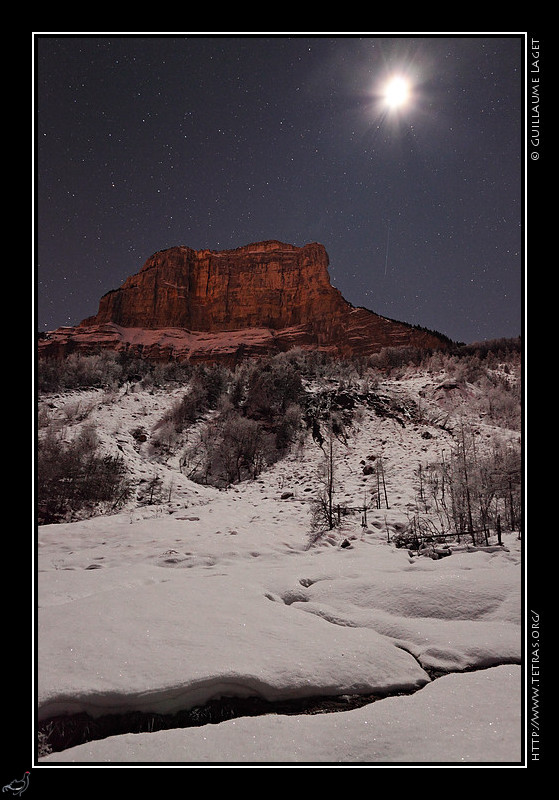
(217,594)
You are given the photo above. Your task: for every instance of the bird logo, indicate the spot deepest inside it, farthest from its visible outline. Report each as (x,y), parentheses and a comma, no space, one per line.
(17,787)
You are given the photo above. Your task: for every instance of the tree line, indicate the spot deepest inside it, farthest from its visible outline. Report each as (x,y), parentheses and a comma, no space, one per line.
(251,415)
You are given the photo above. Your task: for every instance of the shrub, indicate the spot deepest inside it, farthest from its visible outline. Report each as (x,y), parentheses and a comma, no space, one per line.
(79,371)
(187,410)
(75,477)
(213,382)
(272,387)
(255,424)
(240,448)
(228,450)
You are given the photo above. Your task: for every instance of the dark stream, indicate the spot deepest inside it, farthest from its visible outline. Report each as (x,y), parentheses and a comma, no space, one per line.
(63,732)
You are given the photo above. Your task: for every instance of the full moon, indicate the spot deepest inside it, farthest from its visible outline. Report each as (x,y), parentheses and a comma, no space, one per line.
(396,92)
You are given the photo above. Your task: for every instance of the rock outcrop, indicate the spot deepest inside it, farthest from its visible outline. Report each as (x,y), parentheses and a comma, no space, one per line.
(205,305)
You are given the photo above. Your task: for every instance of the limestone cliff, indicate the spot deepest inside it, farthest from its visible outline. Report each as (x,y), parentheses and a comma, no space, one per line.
(225,305)
(268,284)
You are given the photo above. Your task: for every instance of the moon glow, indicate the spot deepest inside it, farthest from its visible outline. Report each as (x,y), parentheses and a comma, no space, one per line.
(396,92)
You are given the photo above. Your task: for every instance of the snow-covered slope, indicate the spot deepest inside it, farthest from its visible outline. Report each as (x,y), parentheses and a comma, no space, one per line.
(213,595)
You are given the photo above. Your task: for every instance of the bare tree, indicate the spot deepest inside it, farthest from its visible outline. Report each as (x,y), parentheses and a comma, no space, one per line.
(476,492)
(325,513)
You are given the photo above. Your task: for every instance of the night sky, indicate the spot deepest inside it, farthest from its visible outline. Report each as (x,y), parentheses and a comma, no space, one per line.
(148,142)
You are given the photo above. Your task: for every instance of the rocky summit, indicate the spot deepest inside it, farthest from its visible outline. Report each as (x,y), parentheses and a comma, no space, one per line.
(209,306)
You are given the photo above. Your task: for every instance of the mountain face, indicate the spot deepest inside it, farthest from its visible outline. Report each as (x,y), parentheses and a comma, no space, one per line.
(205,305)
(266,285)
